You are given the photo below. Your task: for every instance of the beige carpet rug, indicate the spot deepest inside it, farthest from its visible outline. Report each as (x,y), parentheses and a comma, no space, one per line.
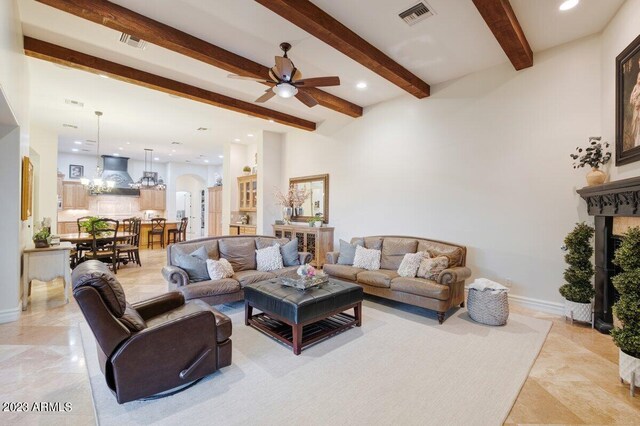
(400,367)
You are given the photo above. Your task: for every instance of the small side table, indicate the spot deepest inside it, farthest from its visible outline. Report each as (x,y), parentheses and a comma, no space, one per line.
(46,264)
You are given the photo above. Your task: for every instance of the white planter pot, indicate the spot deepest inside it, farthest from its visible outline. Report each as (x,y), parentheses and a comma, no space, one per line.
(577,311)
(627,366)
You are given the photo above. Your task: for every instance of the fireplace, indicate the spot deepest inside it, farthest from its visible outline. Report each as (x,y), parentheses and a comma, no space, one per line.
(615,206)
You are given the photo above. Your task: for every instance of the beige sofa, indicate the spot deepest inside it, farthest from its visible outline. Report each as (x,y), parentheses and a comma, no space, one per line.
(446,292)
(239,251)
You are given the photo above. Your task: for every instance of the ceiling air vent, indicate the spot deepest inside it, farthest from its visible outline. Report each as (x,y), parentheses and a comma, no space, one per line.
(176,143)
(74,103)
(71,126)
(133,41)
(416,13)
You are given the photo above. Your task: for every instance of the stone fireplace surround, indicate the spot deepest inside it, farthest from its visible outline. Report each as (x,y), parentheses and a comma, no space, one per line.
(615,207)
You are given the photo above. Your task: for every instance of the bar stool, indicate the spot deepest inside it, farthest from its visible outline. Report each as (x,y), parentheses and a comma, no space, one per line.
(178,234)
(157,228)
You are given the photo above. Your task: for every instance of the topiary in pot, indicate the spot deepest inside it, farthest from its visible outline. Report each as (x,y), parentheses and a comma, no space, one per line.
(627,308)
(578,291)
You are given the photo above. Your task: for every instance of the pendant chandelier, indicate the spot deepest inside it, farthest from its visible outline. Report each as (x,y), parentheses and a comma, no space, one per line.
(149,179)
(97,185)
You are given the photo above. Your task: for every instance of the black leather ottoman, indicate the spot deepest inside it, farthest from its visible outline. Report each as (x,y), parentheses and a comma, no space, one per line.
(300,318)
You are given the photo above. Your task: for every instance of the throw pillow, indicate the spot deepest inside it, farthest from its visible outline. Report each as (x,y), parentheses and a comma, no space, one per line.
(240,252)
(430,268)
(367,258)
(219,269)
(269,259)
(289,252)
(410,264)
(195,264)
(348,252)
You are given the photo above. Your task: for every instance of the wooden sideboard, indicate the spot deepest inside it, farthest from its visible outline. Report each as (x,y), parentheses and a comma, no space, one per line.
(317,241)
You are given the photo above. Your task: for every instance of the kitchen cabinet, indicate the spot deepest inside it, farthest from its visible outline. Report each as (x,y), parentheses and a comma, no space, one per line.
(153,199)
(317,241)
(67,227)
(238,229)
(248,193)
(74,196)
(215,211)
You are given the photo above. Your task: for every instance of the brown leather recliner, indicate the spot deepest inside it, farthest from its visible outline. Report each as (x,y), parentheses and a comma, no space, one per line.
(153,346)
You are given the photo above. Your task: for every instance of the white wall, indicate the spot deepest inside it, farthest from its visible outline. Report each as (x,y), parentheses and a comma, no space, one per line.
(483,162)
(14,144)
(45,143)
(270,177)
(621,31)
(235,158)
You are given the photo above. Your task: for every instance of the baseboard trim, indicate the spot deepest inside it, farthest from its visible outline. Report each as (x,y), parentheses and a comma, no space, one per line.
(539,305)
(10,315)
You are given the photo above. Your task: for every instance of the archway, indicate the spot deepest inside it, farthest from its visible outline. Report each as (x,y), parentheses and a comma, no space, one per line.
(190,199)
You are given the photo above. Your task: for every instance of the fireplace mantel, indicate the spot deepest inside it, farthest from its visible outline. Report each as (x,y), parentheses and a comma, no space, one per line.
(618,198)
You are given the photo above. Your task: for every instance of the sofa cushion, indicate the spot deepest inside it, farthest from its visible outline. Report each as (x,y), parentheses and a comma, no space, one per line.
(223,323)
(348,252)
(346,272)
(436,249)
(250,277)
(430,268)
(264,242)
(289,252)
(211,245)
(269,258)
(393,251)
(380,278)
(219,269)
(96,274)
(410,264)
(420,287)
(195,264)
(367,258)
(209,288)
(240,252)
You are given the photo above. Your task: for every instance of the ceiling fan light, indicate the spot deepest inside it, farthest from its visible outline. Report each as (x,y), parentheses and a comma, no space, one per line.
(285,90)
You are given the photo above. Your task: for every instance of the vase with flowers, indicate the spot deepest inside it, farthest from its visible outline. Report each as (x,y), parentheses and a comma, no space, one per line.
(594,155)
(292,201)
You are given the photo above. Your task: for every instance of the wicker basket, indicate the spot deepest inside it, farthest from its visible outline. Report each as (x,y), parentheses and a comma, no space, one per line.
(488,308)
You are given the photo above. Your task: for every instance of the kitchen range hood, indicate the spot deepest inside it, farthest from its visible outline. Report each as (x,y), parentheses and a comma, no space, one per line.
(115,169)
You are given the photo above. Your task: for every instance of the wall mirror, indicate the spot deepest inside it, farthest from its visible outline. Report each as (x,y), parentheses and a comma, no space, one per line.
(318,201)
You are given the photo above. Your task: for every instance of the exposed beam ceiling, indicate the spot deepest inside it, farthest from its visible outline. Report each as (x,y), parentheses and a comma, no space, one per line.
(71,58)
(121,19)
(504,25)
(323,26)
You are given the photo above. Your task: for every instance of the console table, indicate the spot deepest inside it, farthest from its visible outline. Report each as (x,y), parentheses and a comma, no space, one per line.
(46,264)
(317,241)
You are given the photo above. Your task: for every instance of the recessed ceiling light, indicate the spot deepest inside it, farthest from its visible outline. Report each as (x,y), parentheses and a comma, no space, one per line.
(103,76)
(236,140)
(78,142)
(74,149)
(120,148)
(271,121)
(220,156)
(206,161)
(170,155)
(128,143)
(156,159)
(115,154)
(361,85)
(250,135)
(173,150)
(569,4)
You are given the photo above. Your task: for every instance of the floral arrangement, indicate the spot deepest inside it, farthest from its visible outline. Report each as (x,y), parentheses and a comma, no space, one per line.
(593,154)
(294,197)
(306,271)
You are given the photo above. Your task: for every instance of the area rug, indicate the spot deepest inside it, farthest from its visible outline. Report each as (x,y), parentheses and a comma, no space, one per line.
(400,367)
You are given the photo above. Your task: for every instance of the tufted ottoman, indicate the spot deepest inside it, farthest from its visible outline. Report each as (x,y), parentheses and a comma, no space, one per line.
(300,318)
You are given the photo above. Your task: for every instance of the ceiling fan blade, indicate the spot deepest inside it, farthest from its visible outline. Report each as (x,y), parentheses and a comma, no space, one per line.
(284,68)
(274,74)
(306,99)
(243,77)
(268,94)
(297,75)
(318,82)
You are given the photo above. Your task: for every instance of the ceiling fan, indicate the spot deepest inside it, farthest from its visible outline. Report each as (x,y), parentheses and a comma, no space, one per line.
(286,81)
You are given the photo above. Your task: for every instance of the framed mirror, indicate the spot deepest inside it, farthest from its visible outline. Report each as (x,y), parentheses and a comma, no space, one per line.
(318,201)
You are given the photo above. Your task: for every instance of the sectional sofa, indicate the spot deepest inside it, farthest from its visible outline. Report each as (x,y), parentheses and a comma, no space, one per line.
(440,295)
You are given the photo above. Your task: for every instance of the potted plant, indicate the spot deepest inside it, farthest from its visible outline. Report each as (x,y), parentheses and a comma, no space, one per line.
(92,223)
(315,221)
(578,290)
(594,156)
(627,308)
(42,238)
(246,170)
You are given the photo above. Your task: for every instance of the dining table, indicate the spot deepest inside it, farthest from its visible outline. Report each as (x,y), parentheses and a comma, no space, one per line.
(85,237)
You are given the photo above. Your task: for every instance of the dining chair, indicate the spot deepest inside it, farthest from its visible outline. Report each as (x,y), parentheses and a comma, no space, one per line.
(104,242)
(178,234)
(82,247)
(158,226)
(130,250)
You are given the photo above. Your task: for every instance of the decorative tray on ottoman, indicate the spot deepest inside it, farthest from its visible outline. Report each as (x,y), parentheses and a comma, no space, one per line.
(304,283)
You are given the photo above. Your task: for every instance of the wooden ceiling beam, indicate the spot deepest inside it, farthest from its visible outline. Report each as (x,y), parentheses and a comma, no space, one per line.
(323,26)
(502,21)
(71,58)
(121,19)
